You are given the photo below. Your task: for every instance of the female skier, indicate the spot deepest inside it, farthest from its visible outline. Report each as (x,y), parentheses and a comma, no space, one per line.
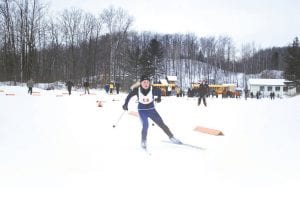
(145,93)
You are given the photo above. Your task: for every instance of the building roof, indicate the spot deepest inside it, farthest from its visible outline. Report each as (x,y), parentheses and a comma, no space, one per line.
(172,78)
(267,82)
(163,81)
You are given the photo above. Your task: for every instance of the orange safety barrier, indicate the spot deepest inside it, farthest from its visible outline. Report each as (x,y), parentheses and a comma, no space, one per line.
(36,93)
(87,94)
(208,130)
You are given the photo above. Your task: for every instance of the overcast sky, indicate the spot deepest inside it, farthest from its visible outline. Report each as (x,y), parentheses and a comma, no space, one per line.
(267,23)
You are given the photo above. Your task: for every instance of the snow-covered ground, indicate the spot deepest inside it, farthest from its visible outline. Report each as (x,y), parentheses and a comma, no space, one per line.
(65,148)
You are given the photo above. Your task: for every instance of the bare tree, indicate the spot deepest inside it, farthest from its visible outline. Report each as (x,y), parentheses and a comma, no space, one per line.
(70,26)
(7,20)
(118,23)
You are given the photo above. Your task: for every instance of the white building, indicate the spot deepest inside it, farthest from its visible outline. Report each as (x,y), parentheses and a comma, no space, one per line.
(281,87)
(172,78)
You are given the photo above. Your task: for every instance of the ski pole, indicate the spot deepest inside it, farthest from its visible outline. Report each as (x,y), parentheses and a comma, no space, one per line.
(119,118)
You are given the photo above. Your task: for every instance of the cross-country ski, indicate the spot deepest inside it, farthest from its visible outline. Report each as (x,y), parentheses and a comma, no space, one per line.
(185,145)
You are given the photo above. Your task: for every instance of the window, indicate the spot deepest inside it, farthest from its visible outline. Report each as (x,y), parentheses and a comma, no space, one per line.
(277,88)
(285,89)
(270,88)
(261,88)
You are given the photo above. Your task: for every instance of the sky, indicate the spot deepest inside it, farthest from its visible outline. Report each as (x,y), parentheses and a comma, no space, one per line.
(266,23)
(59,147)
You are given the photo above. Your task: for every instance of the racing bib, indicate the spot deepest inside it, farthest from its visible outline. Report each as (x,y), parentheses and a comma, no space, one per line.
(145,99)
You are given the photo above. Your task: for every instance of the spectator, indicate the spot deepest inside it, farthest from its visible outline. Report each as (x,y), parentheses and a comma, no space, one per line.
(202,92)
(69,85)
(86,85)
(111,87)
(30,84)
(117,87)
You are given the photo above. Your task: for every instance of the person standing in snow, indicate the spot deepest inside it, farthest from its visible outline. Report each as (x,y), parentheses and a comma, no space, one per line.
(86,86)
(106,88)
(117,87)
(30,84)
(202,92)
(146,109)
(111,87)
(69,85)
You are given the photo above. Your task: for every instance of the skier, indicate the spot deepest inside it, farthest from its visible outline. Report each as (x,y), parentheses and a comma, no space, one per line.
(145,93)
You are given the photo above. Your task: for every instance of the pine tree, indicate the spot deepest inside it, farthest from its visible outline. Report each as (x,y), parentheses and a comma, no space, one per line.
(292,58)
(151,59)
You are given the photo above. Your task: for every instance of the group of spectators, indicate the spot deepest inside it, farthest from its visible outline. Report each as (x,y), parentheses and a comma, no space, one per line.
(109,88)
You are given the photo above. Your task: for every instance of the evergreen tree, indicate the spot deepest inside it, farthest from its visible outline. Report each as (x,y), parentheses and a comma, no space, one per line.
(133,62)
(275,60)
(293,61)
(151,60)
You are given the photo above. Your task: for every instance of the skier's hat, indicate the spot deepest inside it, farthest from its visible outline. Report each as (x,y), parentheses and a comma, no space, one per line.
(144,77)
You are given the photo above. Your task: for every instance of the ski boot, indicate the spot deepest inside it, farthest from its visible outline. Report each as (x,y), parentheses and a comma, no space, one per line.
(144,144)
(175,141)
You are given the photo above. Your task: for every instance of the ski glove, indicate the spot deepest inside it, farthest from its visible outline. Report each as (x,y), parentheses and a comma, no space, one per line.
(125,107)
(158,100)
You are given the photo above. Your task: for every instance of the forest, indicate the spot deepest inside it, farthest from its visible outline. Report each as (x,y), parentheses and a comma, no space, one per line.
(76,45)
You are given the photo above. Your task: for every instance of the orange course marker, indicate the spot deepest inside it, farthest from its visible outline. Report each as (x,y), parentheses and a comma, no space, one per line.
(36,93)
(208,130)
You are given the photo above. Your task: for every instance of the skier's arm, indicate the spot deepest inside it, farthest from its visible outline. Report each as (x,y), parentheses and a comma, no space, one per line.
(129,96)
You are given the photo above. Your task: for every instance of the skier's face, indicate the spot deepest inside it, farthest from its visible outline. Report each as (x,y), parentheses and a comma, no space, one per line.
(145,84)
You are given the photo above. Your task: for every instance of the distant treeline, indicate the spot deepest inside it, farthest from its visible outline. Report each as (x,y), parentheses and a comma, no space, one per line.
(77,45)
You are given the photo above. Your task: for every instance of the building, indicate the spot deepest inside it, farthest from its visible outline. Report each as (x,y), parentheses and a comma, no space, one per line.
(172,79)
(281,87)
(167,86)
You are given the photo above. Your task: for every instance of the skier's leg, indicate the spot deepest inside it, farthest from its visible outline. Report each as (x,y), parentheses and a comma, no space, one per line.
(144,119)
(158,120)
